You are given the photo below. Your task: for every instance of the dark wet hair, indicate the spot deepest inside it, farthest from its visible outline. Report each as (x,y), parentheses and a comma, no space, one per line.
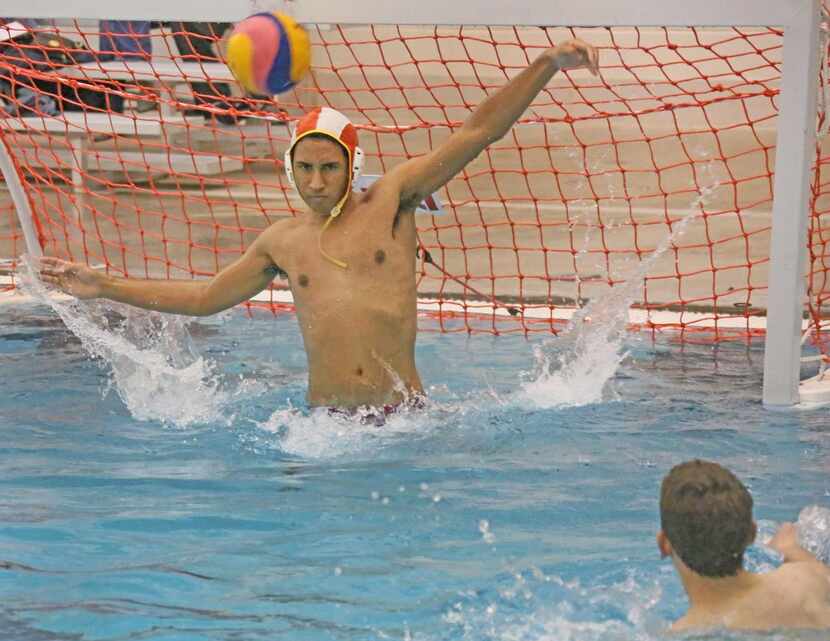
(706,514)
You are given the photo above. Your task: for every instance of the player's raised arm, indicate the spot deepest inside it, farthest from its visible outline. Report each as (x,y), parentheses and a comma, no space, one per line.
(492,119)
(236,283)
(786,543)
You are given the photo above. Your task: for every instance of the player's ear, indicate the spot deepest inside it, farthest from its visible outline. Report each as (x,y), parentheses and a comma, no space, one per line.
(663,544)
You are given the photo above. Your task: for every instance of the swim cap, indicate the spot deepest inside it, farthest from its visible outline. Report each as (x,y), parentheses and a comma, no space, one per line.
(331,123)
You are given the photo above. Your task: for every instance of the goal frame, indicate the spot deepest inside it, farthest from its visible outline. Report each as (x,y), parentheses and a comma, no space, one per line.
(799,20)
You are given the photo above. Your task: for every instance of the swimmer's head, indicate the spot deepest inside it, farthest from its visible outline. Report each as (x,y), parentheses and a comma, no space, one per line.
(706,516)
(320,171)
(324,149)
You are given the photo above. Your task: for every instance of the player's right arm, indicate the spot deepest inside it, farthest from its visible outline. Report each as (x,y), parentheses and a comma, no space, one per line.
(418,177)
(236,283)
(786,543)
(803,577)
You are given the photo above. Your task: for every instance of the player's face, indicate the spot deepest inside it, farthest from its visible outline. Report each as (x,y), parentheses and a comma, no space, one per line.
(321,173)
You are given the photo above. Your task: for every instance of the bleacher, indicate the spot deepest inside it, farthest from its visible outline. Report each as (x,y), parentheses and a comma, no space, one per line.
(147,139)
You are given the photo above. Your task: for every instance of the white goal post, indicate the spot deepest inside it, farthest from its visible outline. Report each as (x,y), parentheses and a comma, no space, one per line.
(800,21)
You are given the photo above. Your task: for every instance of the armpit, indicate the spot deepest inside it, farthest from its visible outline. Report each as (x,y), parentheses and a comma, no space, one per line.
(408,203)
(275,271)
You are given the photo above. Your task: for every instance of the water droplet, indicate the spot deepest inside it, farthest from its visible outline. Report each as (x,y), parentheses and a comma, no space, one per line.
(486,535)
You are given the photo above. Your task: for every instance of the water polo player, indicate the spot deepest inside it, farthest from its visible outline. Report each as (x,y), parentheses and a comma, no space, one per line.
(350,258)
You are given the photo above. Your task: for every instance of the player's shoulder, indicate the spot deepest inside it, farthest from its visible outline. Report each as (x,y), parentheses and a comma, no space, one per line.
(803,577)
(383,197)
(807,584)
(279,237)
(389,193)
(280,228)
(386,186)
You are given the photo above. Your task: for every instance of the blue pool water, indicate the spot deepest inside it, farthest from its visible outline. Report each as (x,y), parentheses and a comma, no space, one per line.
(211,504)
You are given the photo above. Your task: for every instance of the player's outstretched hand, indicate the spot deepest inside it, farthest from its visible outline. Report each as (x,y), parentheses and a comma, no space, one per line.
(72,278)
(786,543)
(785,539)
(576,54)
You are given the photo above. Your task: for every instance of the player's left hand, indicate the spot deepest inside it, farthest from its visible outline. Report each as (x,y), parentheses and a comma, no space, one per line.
(785,539)
(576,54)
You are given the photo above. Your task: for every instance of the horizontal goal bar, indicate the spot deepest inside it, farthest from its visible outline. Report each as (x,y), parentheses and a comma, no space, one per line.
(482,12)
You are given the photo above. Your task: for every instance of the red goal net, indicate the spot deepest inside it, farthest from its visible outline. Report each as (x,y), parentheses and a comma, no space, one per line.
(148,162)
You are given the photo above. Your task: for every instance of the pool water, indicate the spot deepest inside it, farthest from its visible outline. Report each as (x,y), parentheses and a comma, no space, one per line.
(212,504)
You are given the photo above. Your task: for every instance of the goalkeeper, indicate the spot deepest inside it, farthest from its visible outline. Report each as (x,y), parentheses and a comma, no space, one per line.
(350,259)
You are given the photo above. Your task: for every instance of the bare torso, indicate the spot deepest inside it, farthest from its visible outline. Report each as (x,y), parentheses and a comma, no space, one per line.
(358,324)
(795,596)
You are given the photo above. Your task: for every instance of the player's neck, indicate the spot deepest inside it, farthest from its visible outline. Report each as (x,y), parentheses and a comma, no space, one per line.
(708,592)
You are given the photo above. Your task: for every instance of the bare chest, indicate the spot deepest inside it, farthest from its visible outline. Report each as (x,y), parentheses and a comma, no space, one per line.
(352,259)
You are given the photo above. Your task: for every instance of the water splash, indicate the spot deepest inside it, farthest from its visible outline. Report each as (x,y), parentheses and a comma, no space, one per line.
(562,621)
(154,367)
(814,531)
(321,434)
(453,423)
(634,605)
(539,607)
(574,368)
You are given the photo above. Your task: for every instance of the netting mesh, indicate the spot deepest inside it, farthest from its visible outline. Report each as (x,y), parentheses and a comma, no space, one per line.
(147,161)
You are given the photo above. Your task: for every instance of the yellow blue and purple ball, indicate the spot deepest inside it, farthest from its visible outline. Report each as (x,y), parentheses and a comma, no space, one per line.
(269,53)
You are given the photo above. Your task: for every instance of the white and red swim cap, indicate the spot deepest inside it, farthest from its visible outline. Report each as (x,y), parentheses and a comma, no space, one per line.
(328,122)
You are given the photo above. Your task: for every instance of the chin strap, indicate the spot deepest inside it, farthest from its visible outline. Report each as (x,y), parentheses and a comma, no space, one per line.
(335,212)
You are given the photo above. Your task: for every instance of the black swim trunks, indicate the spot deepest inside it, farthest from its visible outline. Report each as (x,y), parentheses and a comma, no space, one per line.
(369,415)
